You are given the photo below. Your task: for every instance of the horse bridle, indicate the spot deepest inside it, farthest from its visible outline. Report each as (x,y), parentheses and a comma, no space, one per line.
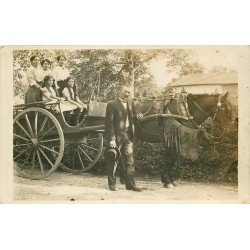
(200,108)
(206,113)
(207,134)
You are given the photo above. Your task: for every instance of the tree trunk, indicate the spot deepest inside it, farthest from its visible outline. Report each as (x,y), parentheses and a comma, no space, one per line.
(131,72)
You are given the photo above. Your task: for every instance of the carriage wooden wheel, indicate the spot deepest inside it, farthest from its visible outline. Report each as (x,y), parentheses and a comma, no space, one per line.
(82,156)
(38,143)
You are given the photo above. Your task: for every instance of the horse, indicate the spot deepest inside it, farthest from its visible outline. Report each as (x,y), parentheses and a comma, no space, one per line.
(176,120)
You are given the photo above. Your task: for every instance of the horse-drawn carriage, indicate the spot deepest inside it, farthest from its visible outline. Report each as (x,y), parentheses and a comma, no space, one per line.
(43,140)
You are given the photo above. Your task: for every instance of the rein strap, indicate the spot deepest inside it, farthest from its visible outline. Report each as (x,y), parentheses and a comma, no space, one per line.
(200,108)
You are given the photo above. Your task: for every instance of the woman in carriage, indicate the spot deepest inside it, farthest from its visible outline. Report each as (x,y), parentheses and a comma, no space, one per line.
(73,100)
(46,68)
(50,94)
(35,79)
(61,73)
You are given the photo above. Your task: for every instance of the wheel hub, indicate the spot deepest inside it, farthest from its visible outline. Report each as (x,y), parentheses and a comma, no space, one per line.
(34,143)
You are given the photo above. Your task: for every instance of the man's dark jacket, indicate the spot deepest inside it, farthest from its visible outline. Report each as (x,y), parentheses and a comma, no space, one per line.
(115,121)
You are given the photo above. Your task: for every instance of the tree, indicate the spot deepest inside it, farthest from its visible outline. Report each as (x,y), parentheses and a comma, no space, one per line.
(191,68)
(135,69)
(108,69)
(177,58)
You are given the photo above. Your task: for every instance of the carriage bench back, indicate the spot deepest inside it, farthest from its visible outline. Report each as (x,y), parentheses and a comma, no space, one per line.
(97,109)
(96,113)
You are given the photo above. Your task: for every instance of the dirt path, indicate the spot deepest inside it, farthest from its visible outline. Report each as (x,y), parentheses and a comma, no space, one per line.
(63,187)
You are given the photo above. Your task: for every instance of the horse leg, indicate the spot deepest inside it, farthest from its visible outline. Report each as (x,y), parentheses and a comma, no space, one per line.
(170,157)
(166,167)
(172,165)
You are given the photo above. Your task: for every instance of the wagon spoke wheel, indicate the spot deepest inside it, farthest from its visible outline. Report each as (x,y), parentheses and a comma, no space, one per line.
(38,143)
(79,158)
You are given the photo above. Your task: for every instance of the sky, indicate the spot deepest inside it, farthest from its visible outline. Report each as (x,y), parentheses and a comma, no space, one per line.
(208,56)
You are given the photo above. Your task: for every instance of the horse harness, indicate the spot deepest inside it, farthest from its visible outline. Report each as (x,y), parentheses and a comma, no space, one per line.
(218,107)
(181,99)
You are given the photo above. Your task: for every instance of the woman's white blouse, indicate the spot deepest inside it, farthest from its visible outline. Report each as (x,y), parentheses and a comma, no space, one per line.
(34,75)
(60,73)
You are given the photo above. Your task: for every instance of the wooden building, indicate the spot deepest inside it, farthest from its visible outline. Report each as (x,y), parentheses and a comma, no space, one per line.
(209,83)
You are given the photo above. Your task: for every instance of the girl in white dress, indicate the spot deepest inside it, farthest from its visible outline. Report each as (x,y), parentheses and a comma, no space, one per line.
(50,93)
(70,94)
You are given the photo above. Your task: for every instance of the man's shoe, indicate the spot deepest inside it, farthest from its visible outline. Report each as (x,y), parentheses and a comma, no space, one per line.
(113,188)
(133,188)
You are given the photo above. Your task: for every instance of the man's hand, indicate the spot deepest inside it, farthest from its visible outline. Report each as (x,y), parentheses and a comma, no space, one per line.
(139,116)
(112,144)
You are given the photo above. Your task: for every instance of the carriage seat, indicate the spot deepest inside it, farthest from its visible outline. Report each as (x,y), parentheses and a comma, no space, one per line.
(96,113)
(97,109)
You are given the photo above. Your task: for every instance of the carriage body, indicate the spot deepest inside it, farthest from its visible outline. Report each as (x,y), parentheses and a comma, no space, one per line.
(43,140)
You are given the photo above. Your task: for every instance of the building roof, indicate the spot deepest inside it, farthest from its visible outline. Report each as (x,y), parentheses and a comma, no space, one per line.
(206,79)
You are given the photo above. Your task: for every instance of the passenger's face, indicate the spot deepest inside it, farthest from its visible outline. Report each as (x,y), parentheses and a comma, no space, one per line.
(46,65)
(71,83)
(61,61)
(35,62)
(50,82)
(125,93)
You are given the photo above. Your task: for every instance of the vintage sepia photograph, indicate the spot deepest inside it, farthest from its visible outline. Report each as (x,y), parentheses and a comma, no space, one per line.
(125,124)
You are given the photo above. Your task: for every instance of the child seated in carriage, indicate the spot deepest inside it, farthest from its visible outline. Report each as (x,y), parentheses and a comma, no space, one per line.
(70,94)
(50,95)
(49,91)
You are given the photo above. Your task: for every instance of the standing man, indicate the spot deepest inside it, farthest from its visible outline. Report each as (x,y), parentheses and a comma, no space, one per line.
(119,127)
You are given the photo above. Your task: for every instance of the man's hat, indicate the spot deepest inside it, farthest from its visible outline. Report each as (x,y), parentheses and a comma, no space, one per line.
(112,154)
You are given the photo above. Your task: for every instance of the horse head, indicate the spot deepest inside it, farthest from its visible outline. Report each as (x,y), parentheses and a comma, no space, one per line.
(223,113)
(215,106)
